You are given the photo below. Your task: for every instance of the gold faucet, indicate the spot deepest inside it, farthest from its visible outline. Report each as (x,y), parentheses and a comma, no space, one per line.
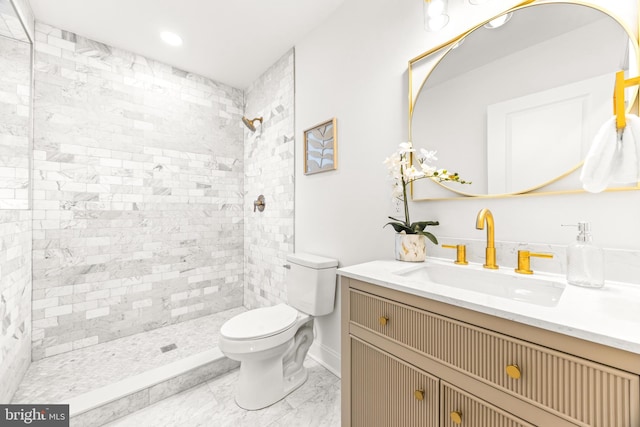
(486,215)
(524,261)
(461,251)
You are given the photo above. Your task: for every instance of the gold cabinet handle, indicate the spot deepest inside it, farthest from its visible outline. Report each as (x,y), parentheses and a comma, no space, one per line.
(419,394)
(456,417)
(524,261)
(383,320)
(461,253)
(513,371)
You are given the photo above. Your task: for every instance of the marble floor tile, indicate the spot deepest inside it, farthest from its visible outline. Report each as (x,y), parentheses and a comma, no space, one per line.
(190,408)
(321,410)
(319,380)
(315,403)
(58,378)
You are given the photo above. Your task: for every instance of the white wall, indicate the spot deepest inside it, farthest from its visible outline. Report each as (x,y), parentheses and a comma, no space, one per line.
(354,67)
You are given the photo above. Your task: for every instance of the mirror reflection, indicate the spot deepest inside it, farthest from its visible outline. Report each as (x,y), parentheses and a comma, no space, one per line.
(515,107)
(15,109)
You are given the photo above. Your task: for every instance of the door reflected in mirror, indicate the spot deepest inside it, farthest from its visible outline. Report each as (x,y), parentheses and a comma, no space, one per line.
(515,108)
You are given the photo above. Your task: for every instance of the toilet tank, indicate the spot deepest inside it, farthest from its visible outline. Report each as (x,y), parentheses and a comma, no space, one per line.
(311,283)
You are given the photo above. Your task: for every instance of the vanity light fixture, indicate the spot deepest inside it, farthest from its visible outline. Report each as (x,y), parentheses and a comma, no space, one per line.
(499,21)
(170,38)
(435,14)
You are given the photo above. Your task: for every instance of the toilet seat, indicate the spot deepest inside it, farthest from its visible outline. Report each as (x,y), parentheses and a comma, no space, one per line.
(260,323)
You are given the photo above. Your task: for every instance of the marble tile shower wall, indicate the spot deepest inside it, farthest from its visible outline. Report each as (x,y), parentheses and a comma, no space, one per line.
(138,177)
(15,93)
(269,170)
(10,25)
(23,8)
(15,299)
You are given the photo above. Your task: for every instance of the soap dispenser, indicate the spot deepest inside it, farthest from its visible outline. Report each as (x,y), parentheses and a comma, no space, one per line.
(585,261)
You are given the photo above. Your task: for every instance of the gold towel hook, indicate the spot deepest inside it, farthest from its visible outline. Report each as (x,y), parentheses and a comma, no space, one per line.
(619,108)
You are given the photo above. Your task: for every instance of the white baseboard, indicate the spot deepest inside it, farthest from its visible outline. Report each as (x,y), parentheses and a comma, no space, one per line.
(326,356)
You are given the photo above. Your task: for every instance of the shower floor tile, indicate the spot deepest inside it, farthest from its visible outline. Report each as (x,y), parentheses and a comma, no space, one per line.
(315,404)
(56,379)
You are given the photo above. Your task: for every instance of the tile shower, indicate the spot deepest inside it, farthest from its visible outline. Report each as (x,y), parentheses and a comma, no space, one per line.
(15,283)
(268,162)
(143,183)
(137,194)
(15,217)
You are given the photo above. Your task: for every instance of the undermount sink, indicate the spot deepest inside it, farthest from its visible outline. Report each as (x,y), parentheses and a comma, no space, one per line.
(501,283)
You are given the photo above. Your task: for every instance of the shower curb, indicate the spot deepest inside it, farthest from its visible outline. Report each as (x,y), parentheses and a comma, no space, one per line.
(105,404)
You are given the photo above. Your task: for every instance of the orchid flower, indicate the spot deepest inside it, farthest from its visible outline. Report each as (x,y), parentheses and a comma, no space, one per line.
(402,172)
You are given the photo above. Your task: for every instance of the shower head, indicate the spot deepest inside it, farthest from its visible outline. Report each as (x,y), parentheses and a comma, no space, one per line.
(250,123)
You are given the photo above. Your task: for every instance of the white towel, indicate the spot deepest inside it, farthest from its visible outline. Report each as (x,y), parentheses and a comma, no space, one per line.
(611,159)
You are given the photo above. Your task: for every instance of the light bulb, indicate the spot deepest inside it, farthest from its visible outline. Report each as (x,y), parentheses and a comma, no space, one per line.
(170,38)
(438,22)
(457,44)
(436,8)
(498,22)
(435,14)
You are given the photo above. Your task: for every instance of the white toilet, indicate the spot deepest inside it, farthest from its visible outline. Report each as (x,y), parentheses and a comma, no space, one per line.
(271,343)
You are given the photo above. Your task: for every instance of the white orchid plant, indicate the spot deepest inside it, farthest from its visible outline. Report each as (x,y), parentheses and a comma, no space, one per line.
(402,173)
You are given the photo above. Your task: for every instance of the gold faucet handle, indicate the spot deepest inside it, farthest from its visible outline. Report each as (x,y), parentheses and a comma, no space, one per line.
(524,261)
(461,254)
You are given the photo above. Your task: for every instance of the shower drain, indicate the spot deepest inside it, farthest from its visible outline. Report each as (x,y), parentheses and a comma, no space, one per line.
(168,348)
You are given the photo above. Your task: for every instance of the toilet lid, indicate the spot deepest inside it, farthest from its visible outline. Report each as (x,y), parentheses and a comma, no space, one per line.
(260,322)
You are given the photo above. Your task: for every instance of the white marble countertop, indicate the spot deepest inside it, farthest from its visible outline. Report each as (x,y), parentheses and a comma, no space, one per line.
(609,316)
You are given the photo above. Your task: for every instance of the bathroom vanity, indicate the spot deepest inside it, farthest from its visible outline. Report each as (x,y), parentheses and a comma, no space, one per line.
(419,352)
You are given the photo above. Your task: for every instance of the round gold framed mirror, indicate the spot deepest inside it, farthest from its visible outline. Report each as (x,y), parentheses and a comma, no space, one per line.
(515,108)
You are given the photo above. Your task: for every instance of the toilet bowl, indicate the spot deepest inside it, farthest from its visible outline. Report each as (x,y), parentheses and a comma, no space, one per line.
(271,342)
(271,353)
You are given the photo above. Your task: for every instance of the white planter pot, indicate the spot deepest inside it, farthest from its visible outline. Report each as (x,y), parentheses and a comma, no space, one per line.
(411,247)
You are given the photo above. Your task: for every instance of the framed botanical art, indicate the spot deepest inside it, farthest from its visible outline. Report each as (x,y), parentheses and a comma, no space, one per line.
(320,146)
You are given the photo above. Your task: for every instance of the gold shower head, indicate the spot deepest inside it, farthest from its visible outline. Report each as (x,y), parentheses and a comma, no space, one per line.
(250,123)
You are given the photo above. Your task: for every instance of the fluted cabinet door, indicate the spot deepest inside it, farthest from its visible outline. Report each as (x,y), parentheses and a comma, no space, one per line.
(576,389)
(388,392)
(462,409)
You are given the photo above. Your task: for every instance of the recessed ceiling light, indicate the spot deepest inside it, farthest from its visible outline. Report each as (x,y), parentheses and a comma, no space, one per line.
(171,38)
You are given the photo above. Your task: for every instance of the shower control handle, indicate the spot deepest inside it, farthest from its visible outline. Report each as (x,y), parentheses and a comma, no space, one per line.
(260,204)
